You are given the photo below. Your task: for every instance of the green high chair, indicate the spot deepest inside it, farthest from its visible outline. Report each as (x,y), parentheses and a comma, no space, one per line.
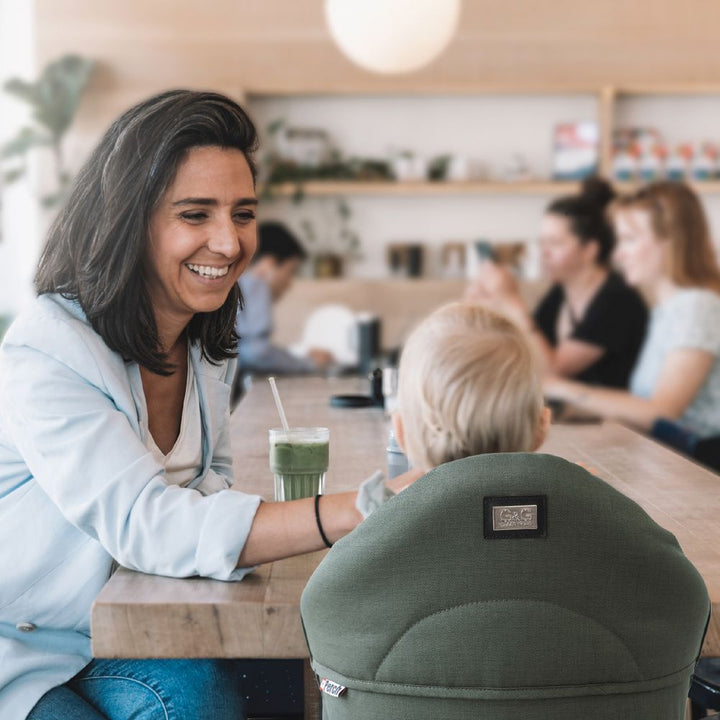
(501,587)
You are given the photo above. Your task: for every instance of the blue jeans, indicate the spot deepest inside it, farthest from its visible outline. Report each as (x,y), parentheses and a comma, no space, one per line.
(148,690)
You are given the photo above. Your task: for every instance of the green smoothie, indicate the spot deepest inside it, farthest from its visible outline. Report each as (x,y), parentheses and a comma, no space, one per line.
(299,460)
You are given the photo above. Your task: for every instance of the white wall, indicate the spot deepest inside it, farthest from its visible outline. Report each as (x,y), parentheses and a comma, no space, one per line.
(431,221)
(489,128)
(20,211)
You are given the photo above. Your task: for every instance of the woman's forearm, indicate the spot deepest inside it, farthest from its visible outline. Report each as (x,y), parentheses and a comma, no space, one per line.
(608,402)
(284,529)
(683,373)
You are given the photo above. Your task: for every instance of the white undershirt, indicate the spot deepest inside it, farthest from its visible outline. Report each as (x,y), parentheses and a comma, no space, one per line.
(184,461)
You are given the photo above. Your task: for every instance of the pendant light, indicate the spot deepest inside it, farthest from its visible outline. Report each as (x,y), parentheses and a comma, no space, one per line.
(392,36)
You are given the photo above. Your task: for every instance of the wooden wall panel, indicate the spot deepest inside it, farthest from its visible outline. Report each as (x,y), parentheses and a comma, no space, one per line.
(400,303)
(283,45)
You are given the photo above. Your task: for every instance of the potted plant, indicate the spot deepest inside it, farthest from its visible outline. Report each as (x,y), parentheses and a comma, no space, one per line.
(339,245)
(54,98)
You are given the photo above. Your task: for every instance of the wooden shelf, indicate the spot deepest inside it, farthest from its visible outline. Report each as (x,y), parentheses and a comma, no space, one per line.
(464,89)
(383,188)
(422,89)
(607,95)
(440,189)
(669,89)
(352,283)
(702,187)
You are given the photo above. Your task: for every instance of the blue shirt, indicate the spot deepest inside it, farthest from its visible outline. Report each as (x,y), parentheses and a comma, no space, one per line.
(79,490)
(254,325)
(688,319)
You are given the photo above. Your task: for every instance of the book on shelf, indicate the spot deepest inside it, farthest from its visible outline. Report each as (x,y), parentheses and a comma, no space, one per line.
(575,150)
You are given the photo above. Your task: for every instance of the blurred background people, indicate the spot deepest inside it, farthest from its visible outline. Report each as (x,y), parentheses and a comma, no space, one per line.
(275,264)
(590,324)
(664,247)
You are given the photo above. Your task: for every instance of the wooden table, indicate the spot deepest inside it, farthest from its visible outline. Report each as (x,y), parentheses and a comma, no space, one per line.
(139,615)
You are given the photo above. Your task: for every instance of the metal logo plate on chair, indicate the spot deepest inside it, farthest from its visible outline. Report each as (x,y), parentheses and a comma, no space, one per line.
(514,517)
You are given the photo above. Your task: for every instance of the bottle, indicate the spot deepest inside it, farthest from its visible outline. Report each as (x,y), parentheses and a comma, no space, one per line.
(397,462)
(389,388)
(703,167)
(650,166)
(624,165)
(376,389)
(368,334)
(675,166)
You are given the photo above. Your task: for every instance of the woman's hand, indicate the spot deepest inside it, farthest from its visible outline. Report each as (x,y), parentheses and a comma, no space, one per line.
(493,281)
(554,387)
(321,358)
(496,287)
(559,388)
(476,293)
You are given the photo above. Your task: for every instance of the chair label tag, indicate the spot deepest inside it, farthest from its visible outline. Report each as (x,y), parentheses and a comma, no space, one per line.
(514,517)
(331,688)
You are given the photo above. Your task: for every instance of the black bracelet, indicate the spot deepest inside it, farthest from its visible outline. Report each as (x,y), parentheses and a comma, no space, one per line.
(319,524)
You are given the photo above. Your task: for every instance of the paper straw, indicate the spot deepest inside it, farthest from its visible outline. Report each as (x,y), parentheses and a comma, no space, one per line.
(278,403)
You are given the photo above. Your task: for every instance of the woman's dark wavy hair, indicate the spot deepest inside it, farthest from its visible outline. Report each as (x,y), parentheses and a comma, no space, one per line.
(96,248)
(587,215)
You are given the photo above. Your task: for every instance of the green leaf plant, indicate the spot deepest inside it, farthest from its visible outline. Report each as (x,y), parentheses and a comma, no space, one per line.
(54,99)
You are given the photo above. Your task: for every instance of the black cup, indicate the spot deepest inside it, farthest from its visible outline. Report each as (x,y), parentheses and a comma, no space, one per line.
(368,342)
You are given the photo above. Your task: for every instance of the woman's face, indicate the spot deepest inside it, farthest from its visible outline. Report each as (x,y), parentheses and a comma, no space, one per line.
(202,234)
(563,255)
(639,253)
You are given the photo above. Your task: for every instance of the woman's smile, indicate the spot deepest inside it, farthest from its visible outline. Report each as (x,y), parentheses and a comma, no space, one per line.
(208,272)
(202,234)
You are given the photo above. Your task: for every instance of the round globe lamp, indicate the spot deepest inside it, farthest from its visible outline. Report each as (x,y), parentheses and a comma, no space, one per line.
(392,36)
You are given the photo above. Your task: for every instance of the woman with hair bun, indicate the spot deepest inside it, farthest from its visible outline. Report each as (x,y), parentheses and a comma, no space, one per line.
(664,247)
(590,324)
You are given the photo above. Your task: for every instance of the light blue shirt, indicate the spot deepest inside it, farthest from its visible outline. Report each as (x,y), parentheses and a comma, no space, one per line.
(254,325)
(79,490)
(688,319)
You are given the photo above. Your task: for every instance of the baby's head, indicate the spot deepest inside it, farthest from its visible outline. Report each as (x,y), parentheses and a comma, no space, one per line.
(468,384)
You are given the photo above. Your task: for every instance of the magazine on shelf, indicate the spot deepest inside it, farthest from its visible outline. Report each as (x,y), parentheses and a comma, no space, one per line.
(575,150)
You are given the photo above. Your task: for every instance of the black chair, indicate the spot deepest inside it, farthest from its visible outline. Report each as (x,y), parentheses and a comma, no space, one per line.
(273,689)
(705,688)
(706,451)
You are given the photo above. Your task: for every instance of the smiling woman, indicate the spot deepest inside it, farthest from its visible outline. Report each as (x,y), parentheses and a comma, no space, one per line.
(200,243)
(100,249)
(114,444)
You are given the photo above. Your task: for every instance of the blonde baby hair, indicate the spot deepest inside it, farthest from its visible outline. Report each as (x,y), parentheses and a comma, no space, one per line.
(468,384)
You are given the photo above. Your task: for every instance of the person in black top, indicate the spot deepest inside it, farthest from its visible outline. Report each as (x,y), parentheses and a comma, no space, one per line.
(590,325)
